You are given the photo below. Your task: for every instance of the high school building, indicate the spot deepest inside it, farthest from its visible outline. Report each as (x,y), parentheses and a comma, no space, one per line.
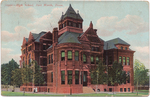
(67,54)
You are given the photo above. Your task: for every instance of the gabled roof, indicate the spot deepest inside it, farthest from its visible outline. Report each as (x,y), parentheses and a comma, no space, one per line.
(37,36)
(111,43)
(71,13)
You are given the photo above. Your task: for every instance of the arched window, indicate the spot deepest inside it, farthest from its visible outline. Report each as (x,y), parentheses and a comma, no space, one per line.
(121,47)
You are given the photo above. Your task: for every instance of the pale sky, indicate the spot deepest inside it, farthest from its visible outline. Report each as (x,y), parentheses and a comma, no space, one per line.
(126,20)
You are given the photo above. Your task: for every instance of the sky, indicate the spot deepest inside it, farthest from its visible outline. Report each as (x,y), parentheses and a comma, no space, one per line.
(126,20)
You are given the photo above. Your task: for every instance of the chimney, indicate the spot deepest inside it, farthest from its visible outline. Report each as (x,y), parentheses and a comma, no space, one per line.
(91,24)
(55,35)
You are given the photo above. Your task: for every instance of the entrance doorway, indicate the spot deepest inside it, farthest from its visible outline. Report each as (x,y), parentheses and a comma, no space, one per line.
(85,78)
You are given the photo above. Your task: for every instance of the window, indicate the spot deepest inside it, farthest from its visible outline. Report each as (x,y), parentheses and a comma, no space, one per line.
(69,77)
(84,58)
(81,76)
(65,24)
(74,24)
(96,49)
(44,47)
(125,48)
(92,48)
(29,48)
(51,76)
(128,61)
(128,74)
(124,89)
(44,61)
(69,23)
(52,58)
(120,59)
(62,77)
(29,58)
(128,89)
(120,89)
(76,56)
(121,47)
(97,60)
(62,55)
(92,60)
(69,55)
(124,60)
(76,77)
(79,25)
(49,60)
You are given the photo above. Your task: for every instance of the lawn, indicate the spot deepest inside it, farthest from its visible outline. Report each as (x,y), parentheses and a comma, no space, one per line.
(141,92)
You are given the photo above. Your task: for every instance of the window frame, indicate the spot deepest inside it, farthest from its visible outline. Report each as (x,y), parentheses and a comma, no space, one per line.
(51,58)
(84,58)
(124,60)
(128,61)
(69,75)
(62,56)
(63,77)
(77,77)
(76,57)
(69,57)
(51,77)
(120,57)
(92,59)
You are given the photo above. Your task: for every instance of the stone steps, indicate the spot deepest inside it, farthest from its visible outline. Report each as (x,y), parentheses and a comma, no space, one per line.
(88,90)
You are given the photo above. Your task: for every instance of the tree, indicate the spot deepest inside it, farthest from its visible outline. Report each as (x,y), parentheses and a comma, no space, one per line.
(37,74)
(116,75)
(98,75)
(6,70)
(16,78)
(26,73)
(140,74)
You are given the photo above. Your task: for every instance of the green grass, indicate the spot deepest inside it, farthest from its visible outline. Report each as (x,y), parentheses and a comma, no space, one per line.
(141,92)
(8,93)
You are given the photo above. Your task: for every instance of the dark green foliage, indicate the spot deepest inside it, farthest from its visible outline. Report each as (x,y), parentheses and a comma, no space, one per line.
(98,75)
(141,76)
(26,74)
(16,77)
(6,70)
(38,77)
(116,75)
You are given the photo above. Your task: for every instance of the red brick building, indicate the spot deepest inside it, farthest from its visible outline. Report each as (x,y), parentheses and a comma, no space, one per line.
(67,54)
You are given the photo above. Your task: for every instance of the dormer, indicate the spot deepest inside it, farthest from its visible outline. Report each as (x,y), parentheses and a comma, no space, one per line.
(70,21)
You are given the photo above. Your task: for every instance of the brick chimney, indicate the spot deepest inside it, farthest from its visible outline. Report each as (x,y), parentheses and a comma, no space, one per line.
(55,36)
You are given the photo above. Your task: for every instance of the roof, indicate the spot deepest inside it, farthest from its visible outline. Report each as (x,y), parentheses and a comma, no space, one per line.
(71,13)
(38,36)
(111,43)
(69,37)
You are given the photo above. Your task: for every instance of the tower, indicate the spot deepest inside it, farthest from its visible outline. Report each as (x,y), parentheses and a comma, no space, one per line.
(70,21)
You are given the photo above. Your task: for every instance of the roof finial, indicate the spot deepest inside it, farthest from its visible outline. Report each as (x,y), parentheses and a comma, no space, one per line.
(69,5)
(91,24)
